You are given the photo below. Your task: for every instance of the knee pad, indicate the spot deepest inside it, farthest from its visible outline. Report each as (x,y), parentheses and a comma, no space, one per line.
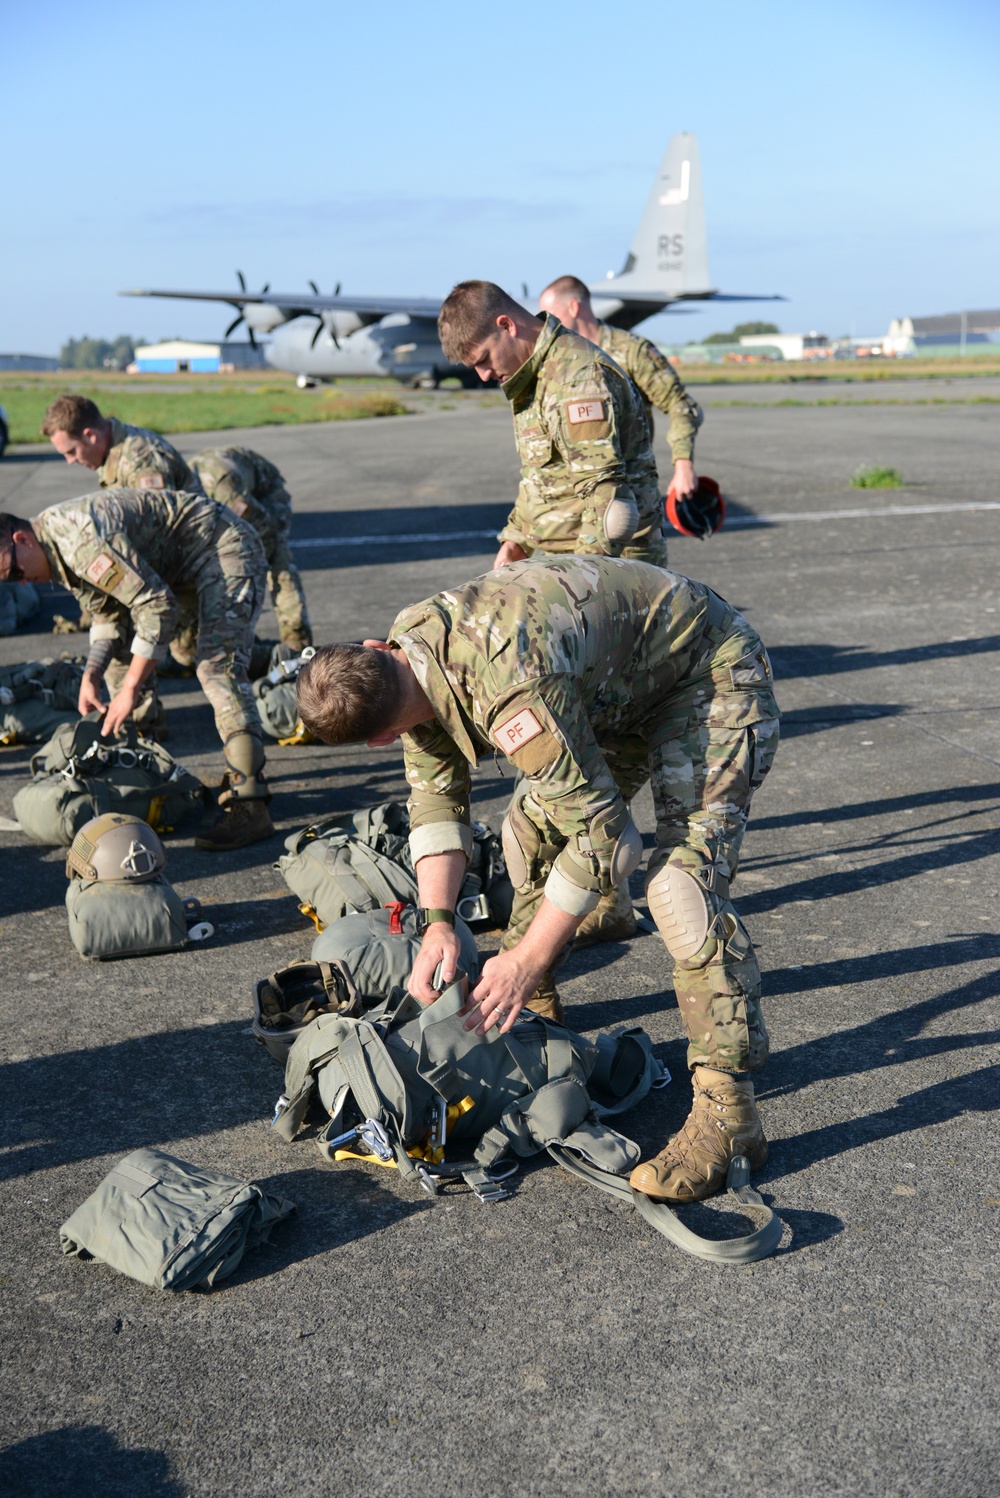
(522,845)
(244,756)
(683,909)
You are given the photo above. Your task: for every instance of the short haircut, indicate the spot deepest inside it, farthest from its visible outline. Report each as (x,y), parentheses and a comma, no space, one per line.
(469,316)
(348,693)
(71,414)
(568,288)
(9,524)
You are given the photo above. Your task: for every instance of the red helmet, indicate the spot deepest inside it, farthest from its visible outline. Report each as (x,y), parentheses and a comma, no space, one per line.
(699,514)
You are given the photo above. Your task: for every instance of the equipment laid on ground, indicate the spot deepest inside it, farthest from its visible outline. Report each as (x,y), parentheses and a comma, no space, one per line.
(37,698)
(356,964)
(19,603)
(409,1086)
(336,870)
(78,775)
(700,514)
(118,901)
(275,695)
(171,1224)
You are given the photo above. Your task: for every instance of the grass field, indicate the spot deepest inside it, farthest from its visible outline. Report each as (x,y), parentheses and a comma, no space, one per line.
(193,404)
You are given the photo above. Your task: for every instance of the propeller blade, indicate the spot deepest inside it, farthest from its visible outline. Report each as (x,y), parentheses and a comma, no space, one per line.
(336,289)
(266,287)
(314,287)
(239,277)
(524,290)
(252,338)
(233,325)
(319,328)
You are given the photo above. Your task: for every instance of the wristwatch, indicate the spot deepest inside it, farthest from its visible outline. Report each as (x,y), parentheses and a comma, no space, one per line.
(428,917)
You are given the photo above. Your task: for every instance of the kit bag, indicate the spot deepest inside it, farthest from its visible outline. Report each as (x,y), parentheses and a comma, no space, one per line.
(37,698)
(409,1085)
(78,775)
(171,1224)
(336,870)
(275,695)
(120,918)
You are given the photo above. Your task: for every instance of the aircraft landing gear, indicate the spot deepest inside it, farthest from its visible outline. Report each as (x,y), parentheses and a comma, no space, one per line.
(306,382)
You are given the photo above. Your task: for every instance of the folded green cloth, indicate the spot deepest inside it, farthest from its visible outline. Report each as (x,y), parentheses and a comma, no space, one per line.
(171,1224)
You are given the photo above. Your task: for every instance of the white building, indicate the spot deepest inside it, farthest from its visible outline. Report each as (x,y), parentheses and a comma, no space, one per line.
(791,345)
(179,357)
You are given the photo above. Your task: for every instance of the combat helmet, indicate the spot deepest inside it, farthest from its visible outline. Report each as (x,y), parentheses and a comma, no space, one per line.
(700,514)
(116,846)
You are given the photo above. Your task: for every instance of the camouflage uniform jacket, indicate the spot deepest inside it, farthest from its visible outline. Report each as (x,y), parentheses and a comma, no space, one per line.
(138,459)
(657,383)
(552,661)
(245,483)
(123,552)
(583,440)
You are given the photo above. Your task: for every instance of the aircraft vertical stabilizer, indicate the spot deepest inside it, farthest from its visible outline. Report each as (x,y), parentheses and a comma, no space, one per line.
(669,254)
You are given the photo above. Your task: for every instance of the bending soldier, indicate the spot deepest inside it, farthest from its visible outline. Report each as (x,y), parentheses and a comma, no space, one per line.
(124,457)
(254,489)
(588,475)
(141,563)
(592,675)
(568,298)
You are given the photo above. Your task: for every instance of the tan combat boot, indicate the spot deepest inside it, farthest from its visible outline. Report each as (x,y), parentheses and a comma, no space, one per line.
(723,1122)
(546,1001)
(613,919)
(241,823)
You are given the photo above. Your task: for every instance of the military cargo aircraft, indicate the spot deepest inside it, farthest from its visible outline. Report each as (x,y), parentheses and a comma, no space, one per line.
(319,337)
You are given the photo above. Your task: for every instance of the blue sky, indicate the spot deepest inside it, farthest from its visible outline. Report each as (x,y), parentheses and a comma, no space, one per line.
(850,152)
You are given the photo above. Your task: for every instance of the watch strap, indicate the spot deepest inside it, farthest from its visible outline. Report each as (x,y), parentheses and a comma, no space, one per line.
(428,917)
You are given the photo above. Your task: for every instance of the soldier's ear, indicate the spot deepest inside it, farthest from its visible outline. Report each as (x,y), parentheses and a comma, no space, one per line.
(376,645)
(383,740)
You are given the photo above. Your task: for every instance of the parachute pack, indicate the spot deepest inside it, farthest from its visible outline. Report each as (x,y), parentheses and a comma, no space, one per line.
(336,871)
(78,775)
(275,696)
(409,1086)
(37,698)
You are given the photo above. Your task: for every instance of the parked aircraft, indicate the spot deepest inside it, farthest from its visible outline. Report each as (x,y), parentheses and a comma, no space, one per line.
(319,337)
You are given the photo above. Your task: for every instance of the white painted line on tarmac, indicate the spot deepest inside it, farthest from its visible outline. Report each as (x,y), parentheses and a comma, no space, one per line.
(422,538)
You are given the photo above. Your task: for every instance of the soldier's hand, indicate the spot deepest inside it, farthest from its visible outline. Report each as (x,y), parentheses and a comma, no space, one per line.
(89,700)
(440,944)
(505,986)
(685,480)
(121,708)
(509,552)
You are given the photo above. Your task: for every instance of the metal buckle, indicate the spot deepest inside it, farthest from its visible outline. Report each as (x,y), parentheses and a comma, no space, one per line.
(474,908)
(373,1136)
(427,1181)
(491,1191)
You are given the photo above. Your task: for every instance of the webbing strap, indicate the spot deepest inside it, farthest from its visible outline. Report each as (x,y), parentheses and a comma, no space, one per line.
(379,884)
(756,1245)
(351,1056)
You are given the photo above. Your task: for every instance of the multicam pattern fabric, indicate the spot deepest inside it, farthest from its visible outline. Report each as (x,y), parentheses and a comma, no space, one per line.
(657,383)
(594,675)
(138,459)
(145,562)
(584,441)
(254,489)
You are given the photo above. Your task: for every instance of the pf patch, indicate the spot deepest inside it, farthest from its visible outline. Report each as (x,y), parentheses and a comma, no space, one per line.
(527,742)
(578,412)
(517,731)
(151,481)
(97,571)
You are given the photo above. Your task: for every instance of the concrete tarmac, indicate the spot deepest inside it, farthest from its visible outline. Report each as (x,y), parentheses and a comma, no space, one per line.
(384,1342)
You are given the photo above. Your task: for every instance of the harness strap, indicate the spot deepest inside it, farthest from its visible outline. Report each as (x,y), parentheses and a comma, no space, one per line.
(354,1064)
(756,1245)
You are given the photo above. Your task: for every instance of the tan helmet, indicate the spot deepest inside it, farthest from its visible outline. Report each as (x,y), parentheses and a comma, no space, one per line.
(116,846)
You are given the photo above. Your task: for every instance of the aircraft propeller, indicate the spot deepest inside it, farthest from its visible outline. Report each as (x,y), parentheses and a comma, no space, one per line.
(239,316)
(320,324)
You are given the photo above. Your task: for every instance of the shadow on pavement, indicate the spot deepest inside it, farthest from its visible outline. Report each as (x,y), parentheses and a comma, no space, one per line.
(827,660)
(802,720)
(922,959)
(444,522)
(890,806)
(84,1461)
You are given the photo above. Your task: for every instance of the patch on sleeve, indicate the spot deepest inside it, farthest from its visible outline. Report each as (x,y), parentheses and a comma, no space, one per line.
(151,481)
(238,506)
(582,411)
(517,731)
(97,570)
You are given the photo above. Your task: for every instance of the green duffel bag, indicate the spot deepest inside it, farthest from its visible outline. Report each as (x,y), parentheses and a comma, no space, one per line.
(113,918)
(37,698)
(275,696)
(171,1224)
(78,775)
(337,869)
(377,948)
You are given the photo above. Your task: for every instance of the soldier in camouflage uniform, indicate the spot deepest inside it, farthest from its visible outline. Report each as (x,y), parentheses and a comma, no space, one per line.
(592,675)
(141,562)
(568,299)
(255,490)
(588,476)
(124,457)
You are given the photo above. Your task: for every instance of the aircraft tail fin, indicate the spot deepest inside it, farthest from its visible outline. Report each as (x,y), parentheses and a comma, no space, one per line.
(669,254)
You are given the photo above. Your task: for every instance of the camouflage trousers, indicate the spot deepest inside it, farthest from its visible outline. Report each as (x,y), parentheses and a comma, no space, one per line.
(703,779)
(283,579)
(219,616)
(651,548)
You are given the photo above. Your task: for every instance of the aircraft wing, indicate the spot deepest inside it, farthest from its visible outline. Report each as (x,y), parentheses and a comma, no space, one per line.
(297,304)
